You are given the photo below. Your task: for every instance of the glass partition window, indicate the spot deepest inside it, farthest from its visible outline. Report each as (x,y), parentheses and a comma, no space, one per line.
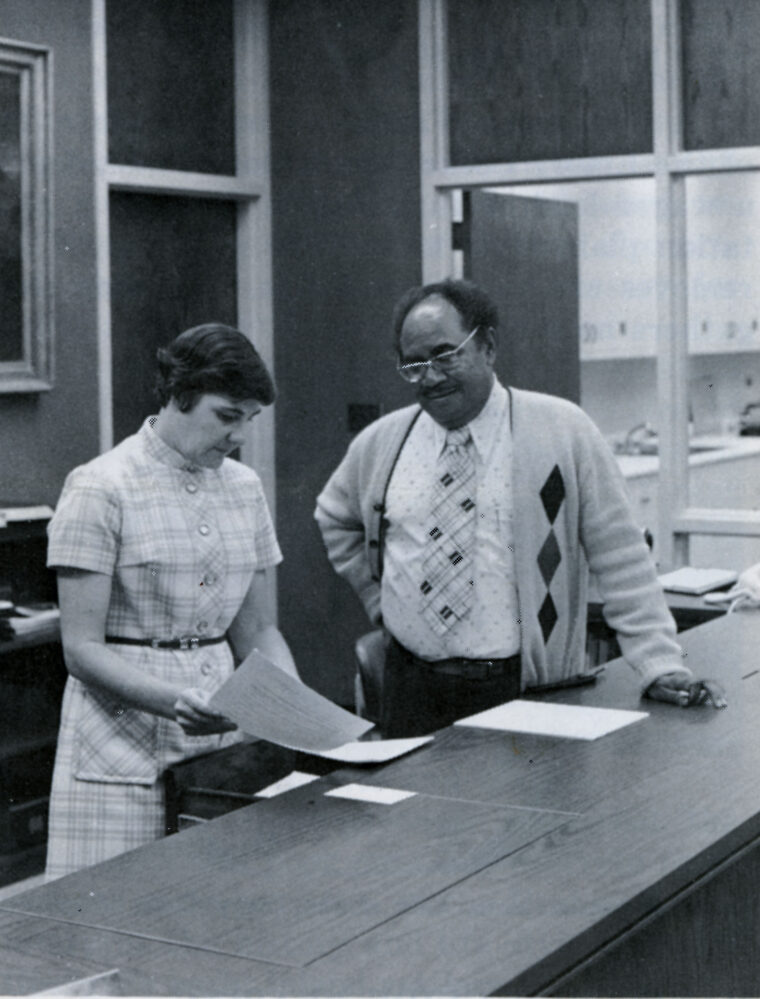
(723,262)
(645,116)
(615,331)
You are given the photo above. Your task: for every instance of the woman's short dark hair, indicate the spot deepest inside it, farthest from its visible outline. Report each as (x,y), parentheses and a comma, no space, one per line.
(215,359)
(473,304)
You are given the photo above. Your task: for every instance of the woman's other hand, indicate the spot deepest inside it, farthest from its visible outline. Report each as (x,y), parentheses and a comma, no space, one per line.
(193,714)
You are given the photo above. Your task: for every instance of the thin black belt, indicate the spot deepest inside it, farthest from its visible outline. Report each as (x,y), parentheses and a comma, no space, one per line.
(470,669)
(186,642)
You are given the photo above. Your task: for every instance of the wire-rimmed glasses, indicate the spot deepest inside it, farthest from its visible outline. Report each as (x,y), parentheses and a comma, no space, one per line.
(446,361)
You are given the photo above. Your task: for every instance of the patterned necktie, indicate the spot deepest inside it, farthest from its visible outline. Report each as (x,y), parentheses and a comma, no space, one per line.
(447,586)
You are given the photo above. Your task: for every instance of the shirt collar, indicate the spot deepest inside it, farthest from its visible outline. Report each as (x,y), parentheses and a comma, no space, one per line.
(484,427)
(157,448)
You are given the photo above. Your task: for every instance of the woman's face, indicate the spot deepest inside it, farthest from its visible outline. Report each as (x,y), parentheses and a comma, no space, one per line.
(213,428)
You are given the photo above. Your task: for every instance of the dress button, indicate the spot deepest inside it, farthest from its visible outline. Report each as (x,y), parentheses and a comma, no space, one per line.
(206,669)
(202,625)
(210,578)
(204,529)
(191,487)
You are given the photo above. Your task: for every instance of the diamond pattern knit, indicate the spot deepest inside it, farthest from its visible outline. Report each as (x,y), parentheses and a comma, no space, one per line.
(447,587)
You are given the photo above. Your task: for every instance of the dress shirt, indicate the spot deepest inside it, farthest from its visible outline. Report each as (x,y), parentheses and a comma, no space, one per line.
(491,629)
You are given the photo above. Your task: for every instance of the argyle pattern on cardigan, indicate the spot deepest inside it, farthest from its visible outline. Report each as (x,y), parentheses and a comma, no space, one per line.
(549,557)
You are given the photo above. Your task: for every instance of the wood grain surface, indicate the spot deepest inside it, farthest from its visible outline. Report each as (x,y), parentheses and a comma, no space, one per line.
(291,879)
(647,886)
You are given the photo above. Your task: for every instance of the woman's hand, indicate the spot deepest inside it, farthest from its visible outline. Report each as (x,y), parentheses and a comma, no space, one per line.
(193,714)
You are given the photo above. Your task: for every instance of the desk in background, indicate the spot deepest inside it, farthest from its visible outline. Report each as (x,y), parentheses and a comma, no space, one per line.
(32,678)
(601,643)
(522,865)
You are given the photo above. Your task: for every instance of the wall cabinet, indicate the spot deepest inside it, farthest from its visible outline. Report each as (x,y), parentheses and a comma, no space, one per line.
(608,339)
(724,336)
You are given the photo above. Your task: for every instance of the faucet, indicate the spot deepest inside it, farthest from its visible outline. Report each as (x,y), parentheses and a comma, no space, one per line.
(636,436)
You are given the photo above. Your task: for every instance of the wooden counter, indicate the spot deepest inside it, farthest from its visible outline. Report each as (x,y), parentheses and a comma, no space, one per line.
(523,864)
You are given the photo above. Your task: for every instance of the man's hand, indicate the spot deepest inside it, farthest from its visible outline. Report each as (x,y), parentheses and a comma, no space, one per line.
(682,690)
(195,716)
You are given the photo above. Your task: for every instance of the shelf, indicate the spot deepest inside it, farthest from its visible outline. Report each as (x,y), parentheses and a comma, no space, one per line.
(49,635)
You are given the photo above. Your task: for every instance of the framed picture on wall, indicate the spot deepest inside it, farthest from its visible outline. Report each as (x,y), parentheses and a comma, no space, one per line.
(26,308)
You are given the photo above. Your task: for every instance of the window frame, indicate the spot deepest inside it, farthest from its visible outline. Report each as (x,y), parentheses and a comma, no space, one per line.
(249,188)
(668,165)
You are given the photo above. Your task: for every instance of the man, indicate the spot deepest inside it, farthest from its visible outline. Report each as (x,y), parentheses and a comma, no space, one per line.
(467,525)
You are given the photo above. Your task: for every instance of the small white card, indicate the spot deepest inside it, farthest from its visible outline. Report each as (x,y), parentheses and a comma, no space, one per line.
(376,751)
(365,792)
(294,779)
(572,721)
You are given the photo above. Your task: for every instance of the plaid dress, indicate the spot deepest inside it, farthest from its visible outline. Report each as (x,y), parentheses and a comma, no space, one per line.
(181,544)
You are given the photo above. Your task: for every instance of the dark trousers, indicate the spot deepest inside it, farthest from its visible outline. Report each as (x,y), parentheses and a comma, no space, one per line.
(420,697)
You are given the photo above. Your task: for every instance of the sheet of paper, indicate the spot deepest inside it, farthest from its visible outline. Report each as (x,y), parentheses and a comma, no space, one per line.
(363,792)
(377,751)
(267,702)
(294,779)
(569,720)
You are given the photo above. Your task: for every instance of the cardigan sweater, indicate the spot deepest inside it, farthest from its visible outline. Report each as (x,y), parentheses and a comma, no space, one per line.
(571,515)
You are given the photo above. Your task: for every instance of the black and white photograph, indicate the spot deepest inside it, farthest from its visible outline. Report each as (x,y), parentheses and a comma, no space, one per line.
(380,498)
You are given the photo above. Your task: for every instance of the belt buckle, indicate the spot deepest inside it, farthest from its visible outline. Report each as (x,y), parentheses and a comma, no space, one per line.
(155,643)
(188,642)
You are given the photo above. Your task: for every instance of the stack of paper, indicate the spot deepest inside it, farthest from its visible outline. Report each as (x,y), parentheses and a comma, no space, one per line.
(696,581)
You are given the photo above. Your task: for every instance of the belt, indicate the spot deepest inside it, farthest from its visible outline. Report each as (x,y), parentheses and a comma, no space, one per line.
(469,669)
(184,643)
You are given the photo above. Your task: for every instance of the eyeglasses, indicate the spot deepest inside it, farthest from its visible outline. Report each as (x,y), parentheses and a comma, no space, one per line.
(446,361)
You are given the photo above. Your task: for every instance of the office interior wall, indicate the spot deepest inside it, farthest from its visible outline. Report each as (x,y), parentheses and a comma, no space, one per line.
(346,244)
(45,434)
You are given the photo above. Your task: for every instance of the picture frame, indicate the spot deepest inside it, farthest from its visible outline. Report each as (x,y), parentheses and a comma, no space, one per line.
(26,286)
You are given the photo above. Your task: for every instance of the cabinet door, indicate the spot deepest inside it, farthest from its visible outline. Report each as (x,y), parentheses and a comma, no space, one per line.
(524,252)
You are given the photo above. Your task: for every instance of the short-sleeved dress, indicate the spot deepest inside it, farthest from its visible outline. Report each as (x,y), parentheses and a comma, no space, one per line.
(181,544)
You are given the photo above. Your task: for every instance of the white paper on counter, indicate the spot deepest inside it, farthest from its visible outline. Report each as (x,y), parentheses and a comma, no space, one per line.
(572,721)
(367,792)
(377,751)
(269,703)
(296,778)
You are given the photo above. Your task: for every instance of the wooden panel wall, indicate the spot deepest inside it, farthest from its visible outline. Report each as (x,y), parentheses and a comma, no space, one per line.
(346,244)
(707,929)
(44,435)
(172,267)
(721,73)
(549,79)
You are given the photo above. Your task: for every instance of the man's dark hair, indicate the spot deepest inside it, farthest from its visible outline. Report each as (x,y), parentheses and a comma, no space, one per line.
(473,304)
(212,358)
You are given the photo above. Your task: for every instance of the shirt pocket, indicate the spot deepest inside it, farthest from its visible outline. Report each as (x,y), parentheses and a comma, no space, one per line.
(115,744)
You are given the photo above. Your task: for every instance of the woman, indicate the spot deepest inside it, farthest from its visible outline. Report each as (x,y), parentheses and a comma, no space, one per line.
(162,548)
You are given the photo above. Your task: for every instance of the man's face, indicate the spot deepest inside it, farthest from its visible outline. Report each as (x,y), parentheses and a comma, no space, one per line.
(455,396)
